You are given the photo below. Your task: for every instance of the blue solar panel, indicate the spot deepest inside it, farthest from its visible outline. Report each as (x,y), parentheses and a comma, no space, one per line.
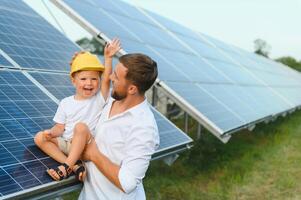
(31,41)
(19,122)
(279,78)
(4,62)
(57,84)
(170,137)
(127,27)
(194,66)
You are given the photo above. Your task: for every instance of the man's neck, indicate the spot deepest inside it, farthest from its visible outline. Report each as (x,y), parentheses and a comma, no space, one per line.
(125,104)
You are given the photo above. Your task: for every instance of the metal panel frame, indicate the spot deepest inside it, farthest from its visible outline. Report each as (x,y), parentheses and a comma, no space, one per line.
(38,192)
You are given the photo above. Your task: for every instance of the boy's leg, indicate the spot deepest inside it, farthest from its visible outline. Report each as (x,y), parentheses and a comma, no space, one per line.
(50,147)
(81,136)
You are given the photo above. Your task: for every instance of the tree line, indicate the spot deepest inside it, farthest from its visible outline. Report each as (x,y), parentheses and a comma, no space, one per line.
(262,48)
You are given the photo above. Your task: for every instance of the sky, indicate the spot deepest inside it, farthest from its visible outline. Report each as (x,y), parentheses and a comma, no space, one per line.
(236,22)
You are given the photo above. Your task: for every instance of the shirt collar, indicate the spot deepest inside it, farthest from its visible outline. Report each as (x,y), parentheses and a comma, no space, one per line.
(134,110)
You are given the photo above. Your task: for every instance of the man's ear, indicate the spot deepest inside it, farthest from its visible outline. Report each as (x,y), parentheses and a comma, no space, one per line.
(132,90)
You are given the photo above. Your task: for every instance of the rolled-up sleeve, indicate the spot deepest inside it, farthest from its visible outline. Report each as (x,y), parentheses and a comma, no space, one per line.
(140,145)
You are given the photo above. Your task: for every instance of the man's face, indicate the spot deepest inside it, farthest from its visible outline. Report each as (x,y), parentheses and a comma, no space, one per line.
(119,83)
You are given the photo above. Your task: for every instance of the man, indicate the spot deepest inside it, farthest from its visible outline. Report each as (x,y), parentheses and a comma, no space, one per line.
(126,134)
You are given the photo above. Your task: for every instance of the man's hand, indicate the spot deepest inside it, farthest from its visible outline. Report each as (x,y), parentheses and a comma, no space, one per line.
(112,48)
(90,150)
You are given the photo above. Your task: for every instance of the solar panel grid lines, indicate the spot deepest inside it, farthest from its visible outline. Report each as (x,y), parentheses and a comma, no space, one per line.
(19,151)
(195,113)
(196,52)
(63,87)
(225,107)
(113,24)
(131,12)
(4,62)
(263,81)
(241,77)
(56,85)
(16,144)
(168,136)
(220,62)
(31,42)
(232,51)
(188,38)
(216,111)
(211,94)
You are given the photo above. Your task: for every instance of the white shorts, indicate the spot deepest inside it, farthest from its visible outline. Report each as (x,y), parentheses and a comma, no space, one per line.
(65,145)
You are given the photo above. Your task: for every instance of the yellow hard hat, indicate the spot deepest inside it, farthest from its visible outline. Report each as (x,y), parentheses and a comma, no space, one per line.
(86,61)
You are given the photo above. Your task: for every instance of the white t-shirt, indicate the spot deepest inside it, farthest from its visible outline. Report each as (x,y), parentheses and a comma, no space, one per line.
(72,111)
(128,139)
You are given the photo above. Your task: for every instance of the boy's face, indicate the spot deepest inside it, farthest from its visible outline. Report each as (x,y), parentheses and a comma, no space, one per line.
(86,84)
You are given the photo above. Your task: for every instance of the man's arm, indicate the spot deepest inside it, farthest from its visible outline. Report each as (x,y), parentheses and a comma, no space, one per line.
(104,165)
(140,145)
(109,51)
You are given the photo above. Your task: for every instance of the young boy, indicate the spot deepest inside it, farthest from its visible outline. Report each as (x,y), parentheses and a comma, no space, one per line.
(86,105)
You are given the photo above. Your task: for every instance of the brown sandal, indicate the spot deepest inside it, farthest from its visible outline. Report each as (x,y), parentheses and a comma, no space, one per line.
(79,169)
(60,173)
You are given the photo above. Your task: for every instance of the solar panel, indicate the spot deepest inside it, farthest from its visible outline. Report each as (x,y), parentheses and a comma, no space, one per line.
(57,84)
(34,60)
(4,62)
(25,110)
(32,42)
(278,77)
(216,88)
(170,137)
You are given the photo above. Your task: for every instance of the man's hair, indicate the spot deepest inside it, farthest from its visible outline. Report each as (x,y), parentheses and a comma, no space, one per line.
(142,70)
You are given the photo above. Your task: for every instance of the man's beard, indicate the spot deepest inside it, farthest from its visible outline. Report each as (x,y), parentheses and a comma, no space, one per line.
(118,96)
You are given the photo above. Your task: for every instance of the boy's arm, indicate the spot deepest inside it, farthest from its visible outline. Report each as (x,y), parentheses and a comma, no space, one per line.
(56,131)
(110,50)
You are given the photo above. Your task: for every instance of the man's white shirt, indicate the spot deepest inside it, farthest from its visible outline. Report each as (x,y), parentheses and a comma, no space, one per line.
(128,139)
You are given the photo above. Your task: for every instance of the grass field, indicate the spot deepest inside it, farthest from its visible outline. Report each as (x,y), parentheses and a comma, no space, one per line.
(263,164)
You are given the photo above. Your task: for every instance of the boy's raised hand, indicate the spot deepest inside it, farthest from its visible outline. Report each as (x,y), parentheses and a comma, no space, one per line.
(112,48)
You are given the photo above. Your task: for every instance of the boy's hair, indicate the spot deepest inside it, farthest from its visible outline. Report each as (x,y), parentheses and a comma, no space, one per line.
(142,70)
(74,73)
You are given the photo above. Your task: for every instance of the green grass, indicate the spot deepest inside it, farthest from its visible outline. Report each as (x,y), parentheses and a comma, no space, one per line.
(263,164)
